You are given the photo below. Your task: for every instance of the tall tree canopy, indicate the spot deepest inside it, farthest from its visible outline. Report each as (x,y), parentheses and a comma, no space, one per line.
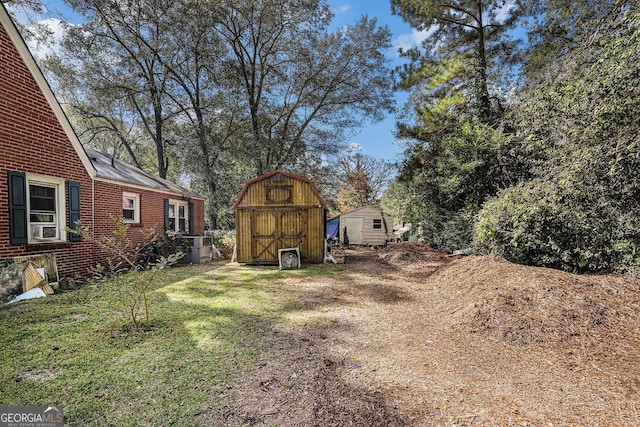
(580,211)
(211,87)
(301,86)
(551,178)
(113,76)
(464,35)
(457,79)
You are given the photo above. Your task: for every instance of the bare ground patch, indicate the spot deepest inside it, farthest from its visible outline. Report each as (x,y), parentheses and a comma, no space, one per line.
(39,375)
(434,341)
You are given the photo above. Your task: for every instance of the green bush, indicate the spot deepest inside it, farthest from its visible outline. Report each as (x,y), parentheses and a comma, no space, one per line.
(224,241)
(450,231)
(572,226)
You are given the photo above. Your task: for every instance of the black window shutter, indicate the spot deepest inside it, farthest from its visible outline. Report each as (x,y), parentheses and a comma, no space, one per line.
(17,208)
(74,210)
(190,218)
(166,214)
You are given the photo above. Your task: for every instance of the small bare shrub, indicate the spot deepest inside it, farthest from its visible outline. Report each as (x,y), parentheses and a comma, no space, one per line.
(132,267)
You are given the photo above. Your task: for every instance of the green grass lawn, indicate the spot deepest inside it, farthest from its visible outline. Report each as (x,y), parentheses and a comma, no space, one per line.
(208,322)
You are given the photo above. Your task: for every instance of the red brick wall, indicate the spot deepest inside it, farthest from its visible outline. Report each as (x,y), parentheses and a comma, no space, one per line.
(198,217)
(33,141)
(109,204)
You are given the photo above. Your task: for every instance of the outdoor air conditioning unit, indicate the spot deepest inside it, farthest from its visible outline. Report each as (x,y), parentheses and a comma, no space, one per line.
(198,249)
(43,231)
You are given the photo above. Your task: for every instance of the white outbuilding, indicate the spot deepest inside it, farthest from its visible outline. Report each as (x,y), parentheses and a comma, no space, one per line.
(367,225)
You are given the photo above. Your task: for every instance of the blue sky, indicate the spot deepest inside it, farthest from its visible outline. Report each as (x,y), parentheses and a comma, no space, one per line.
(376,139)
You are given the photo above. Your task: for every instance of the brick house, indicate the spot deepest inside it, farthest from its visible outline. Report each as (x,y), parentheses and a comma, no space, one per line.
(51,181)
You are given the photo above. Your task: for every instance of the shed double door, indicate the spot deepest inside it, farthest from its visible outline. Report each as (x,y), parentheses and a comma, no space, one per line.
(276,228)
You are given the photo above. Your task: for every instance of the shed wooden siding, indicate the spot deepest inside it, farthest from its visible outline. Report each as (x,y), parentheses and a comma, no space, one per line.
(275,214)
(370,235)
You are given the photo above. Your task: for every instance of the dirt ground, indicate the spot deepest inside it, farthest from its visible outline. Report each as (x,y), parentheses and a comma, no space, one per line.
(408,337)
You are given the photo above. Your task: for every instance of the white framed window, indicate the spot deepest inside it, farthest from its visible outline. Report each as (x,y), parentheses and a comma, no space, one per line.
(46,208)
(182,219)
(178,216)
(131,208)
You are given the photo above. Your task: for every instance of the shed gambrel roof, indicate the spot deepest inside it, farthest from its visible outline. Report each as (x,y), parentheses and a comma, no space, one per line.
(113,170)
(276,172)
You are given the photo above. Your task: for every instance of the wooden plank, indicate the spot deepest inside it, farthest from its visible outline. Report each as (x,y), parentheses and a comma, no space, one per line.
(30,277)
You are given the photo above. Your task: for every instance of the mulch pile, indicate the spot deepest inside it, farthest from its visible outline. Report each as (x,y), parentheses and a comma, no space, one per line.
(408,336)
(409,253)
(525,305)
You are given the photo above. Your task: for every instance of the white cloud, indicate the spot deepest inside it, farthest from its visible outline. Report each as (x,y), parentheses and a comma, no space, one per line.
(414,39)
(342,9)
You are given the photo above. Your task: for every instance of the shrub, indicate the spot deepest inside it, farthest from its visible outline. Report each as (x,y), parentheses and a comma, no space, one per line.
(132,267)
(224,241)
(563,224)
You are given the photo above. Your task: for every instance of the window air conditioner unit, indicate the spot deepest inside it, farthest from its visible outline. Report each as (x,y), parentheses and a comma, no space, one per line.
(44,231)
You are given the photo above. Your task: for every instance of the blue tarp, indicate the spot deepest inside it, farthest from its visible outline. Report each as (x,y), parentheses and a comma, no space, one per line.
(333,227)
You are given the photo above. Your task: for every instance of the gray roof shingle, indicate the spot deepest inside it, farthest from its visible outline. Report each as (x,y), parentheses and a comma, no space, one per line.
(117,170)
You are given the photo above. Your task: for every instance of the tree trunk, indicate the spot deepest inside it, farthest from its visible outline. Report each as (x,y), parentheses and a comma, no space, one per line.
(483,101)
(162,162)
(213,215)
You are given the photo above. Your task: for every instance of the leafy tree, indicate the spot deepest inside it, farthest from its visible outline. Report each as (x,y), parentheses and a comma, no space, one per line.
(301,85)
(214,122)
(410,199)
(36,8)
(112,58)
(102,122)
(323,175)
(35,5)
(457,147)
(361,180)
(217,86)
(559,27)
(580,212)
(463,35)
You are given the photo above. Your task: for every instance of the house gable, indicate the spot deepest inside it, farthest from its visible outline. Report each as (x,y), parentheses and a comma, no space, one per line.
(43,162)
(41,159)
(33,81)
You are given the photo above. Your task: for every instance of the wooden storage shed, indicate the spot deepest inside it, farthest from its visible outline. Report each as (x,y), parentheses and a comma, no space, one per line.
(275,211)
